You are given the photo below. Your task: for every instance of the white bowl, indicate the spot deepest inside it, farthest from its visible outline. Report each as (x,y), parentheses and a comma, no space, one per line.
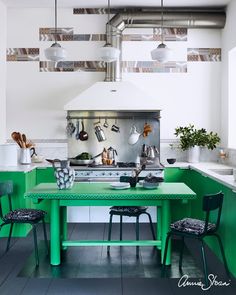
(150,185)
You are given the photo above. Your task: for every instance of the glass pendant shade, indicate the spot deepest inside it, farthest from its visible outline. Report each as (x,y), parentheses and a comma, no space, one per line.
(55,52)
(162,53)
(108,53)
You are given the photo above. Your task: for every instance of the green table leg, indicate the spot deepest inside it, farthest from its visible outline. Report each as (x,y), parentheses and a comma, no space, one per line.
(158,229)
(55,233)
(63,224)
(159,223)
(165,227)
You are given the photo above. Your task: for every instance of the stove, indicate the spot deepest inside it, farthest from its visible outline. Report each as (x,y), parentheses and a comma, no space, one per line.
(111,173)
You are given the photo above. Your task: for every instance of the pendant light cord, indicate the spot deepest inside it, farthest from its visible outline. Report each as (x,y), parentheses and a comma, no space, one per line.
(55,22)
(162,39)
(108,14)
(108,19)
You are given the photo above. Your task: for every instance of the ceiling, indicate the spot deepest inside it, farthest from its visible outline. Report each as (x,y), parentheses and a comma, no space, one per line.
(114,3)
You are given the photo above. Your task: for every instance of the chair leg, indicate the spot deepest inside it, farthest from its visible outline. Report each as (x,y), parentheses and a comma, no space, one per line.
(109,232)
(137,235)
(223,254)
(35,245)
(165,253)
(121,227)
(45,236)
(151,226)
(204,263)
(9,237)
(181,253)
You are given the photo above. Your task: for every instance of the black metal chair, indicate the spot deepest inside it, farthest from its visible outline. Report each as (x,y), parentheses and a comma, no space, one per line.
(130,211)
(199,229)
(31,216)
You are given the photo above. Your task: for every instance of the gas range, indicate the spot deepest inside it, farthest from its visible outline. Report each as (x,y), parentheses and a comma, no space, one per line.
(110,173)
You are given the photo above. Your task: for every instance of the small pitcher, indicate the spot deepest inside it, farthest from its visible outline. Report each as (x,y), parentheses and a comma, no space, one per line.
(64,174)
(25,156)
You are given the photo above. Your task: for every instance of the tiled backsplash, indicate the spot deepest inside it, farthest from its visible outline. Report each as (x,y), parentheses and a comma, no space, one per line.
(58,149)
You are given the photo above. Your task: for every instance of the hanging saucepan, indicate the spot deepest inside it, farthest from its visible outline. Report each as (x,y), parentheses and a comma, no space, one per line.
(83,135)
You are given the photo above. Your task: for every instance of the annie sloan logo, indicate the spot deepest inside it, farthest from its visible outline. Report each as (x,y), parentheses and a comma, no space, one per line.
(212,281)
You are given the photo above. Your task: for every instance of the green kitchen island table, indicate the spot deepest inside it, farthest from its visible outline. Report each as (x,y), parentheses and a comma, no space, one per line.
(102,194)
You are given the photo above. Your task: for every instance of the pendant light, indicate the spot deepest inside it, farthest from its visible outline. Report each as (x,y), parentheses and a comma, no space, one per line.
(108,53)
(55,52)
(162,53)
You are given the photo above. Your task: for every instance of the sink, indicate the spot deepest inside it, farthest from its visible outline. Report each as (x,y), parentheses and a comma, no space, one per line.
(223,171)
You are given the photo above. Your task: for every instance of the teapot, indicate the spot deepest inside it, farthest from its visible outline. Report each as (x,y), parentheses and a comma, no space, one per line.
(134,135)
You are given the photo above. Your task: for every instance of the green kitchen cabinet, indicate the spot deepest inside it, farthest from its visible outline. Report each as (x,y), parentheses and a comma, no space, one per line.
(45,174)
(203,185)
(23,181)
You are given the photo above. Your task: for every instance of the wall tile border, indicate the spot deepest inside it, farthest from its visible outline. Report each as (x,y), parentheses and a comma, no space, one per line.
(204,54)
(67,34)
(127,66)
(22,54)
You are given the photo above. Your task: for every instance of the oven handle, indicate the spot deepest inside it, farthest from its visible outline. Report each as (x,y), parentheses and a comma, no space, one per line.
(98,179)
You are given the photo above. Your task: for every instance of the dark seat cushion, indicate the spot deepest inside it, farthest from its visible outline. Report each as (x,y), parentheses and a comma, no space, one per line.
(24,215)
(127,210)
(191,226)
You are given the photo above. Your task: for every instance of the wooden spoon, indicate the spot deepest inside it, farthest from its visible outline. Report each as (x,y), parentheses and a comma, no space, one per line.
(15,137)
(24,140)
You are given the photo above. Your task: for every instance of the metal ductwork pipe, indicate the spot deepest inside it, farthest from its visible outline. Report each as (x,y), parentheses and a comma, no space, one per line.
(151,18)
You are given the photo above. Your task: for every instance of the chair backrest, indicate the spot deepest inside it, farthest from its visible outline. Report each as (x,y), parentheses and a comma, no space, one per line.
(211,203)
(6,189)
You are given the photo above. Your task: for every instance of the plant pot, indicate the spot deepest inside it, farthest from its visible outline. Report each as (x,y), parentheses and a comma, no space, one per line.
(194,154)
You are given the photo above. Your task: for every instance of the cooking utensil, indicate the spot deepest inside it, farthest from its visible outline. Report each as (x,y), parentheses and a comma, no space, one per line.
(77,130)
(144,150)
(115,127)
(25,140)
(99,133)
(134,135)
(16,138)
(150,152)
(146,129)
(106,125)
(78,162)
(70,128)
(83,135)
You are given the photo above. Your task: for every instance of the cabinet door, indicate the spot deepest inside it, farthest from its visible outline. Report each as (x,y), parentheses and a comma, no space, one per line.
(174,174)
(45,174)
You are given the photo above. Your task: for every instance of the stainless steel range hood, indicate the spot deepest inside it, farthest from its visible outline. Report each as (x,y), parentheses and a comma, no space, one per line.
(116,95)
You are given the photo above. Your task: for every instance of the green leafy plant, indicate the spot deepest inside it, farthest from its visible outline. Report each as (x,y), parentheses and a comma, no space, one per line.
(190,136)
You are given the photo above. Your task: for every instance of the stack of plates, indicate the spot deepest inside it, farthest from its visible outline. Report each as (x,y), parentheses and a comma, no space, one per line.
(120,185)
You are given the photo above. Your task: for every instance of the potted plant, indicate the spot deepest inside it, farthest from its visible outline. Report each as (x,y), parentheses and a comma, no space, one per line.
(192,139)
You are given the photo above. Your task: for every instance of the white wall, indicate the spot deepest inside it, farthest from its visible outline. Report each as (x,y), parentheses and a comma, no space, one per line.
(3,43)
(35,100)
(228,43)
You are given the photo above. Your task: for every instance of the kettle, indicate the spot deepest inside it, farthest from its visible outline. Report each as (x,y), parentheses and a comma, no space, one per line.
(99,133)
(112,153)
(150,152)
